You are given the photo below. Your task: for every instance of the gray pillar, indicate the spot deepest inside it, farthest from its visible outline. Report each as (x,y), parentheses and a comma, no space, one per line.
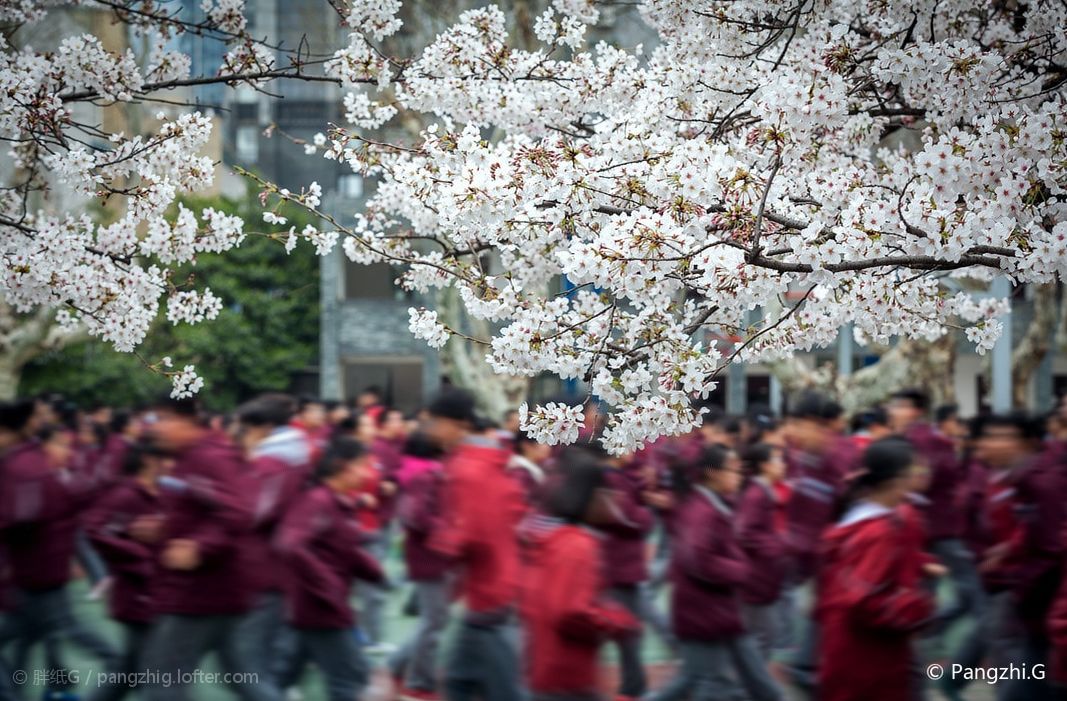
(845,350)
(1001,399)
(776,395)
(330,279)
(736,389)
(1043,380)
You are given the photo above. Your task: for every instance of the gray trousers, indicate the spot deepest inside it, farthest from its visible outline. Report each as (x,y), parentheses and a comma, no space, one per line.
(372,598)
(179,643)
(705,673)
(633,682)
(763,623)
(416,660)
(129,665)
(46,617)
(337,656)
(265,640)
(968,592)
(482,664)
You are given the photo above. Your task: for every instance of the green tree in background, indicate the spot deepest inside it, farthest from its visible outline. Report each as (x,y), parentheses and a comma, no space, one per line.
(267,331)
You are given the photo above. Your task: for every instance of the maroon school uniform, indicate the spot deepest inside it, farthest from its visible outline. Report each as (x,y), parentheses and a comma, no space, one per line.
(708,568)
(419,513)
(41,516)
(1057,625)
(947,480)
(274,478)
(215,512)
(565,615)
(818,483)
(482,509)
(132,563)
(389,453)
(1038,552)
(625,556)
(763,541)
(320,541)
(868,608)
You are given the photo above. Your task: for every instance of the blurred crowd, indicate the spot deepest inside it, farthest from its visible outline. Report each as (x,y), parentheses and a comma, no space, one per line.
(814,551)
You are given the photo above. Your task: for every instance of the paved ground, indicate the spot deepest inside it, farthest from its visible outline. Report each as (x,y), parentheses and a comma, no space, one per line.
(397,625)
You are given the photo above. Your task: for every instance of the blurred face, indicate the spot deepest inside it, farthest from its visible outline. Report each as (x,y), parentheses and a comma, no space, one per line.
(809,434)
(727,480)
(446,432)
(313,416)
(354,474)
(338,414)
(1000,446)
(366,399)
(536,452)
(59,449)
(919,478)
(902,413)
(393,427)
(366,429)
(774,469)
(175,431)
(511,422)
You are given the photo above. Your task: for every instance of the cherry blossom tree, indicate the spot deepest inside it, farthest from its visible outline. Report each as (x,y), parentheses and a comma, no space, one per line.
(736,164)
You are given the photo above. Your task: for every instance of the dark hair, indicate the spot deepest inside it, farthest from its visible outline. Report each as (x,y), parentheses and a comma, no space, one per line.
(875,416)
(945,412)
(133,462)
(831,410)
(15,415)
(520,439)
(120,420)
(339,453)
(809,405)
(915,396)
(307,400)
(755,455)
(577,478)
(1027,428)
(373,389)
(274,409)
(188,407)
(453,403)
(885,460)
(420,445)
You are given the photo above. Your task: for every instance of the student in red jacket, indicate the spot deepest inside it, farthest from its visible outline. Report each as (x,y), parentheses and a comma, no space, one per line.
(203,589)
(870,603)
(566,613)
(124,526)
(277,467)
(762,531)
(421,480)
(321,543)
(482,509)
(709,571)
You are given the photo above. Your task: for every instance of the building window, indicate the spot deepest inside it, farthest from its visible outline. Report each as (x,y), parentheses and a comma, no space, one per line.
(247,144)
(374,281)
(350,186)
(399,379)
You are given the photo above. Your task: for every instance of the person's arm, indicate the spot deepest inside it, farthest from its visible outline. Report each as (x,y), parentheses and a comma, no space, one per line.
(112,539)
(217,485)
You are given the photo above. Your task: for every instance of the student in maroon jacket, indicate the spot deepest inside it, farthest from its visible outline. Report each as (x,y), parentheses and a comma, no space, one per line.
(203,589)
(908,417)
(761,529)
(870,602)
(566,613)
(625,546)
(321,543)
(42,501)
(124,526)
(278,466)
(482,510)
(421,480)
(709,570)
